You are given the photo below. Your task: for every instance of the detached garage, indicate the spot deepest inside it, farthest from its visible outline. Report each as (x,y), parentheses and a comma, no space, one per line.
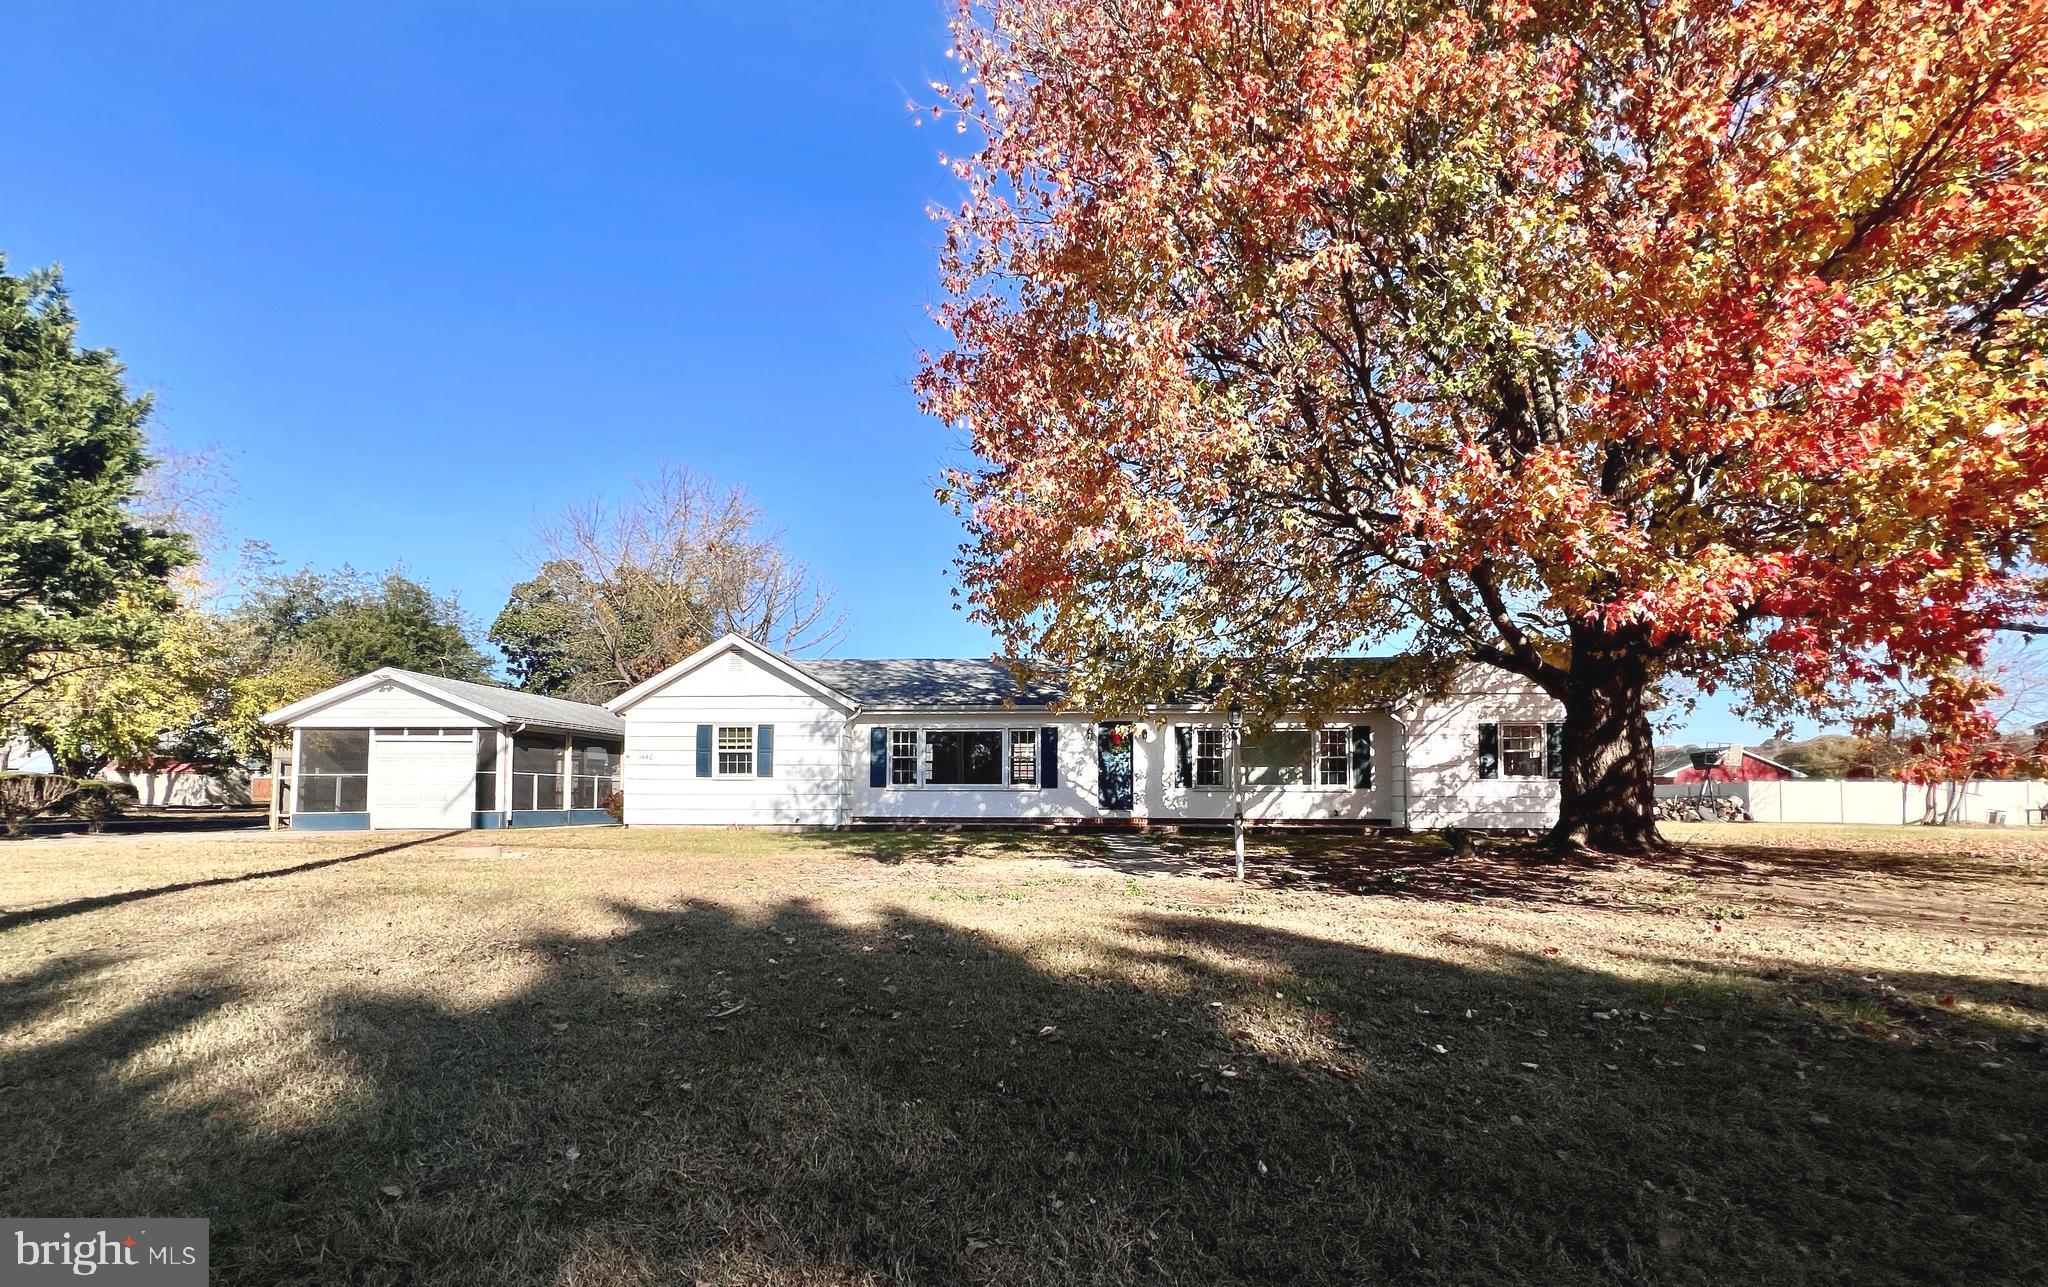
(396,750)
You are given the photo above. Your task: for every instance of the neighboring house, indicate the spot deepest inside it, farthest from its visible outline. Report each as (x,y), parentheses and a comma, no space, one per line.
(159,784)
(1689,765)
(738,735)
(178,784)
(18,755)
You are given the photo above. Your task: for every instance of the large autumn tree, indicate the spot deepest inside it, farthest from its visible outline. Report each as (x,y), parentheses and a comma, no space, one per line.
(1608,343)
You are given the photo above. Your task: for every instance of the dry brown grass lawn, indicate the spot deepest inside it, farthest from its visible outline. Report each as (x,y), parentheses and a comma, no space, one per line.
(605,1057)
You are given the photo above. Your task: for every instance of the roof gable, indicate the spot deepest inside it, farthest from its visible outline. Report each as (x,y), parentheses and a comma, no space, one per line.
(779,666)
(487,702)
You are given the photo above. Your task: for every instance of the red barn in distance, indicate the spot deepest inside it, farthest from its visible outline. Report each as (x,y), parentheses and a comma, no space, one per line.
(1682,765)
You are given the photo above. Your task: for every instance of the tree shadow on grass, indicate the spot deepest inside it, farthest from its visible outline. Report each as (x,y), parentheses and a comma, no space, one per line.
(75,906)
(1425,866)
(710,1096)
(943,846)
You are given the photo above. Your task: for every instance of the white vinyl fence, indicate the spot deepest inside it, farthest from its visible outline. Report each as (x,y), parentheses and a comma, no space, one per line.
(2011,804)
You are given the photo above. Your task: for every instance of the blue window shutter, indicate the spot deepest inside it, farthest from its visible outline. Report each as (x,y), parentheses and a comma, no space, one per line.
(1183,755)
(1361,757)
(1553,749)
(764,751)
(878,757)
(1489,750)
(1049,756)
(703,750)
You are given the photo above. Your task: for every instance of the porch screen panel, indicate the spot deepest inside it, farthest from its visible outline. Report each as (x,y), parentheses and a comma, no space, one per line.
(335,775)
(536,773)
(594,773)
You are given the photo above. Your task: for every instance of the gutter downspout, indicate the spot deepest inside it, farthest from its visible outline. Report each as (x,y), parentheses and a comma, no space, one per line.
(1398,782)
(511,730)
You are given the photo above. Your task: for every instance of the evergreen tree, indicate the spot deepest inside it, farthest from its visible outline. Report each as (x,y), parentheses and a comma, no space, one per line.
(80,577)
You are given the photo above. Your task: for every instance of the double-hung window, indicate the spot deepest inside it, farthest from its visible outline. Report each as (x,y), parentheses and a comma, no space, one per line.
(1521,750)
(1023,757)
(902,757)
(736,750)
(1208,757)
(1333,757)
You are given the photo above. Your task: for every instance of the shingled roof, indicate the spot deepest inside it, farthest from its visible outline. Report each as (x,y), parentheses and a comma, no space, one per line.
(514,706)
(933,681)
(956,681)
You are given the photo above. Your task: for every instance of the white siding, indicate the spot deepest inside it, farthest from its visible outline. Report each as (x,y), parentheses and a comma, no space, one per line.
(1441,784)
(662,787)
(389,706)
(1425,762)
(1075,795)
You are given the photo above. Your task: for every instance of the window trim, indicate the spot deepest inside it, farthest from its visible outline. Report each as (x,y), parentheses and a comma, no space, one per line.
(924,761)
(719,750)
(920,752)
(1540,744)
(1221,758)
(1312,771)
(1319,758)
(1012,739)
(913,759)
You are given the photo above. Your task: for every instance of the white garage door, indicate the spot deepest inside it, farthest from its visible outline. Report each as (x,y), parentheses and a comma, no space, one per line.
(422,778)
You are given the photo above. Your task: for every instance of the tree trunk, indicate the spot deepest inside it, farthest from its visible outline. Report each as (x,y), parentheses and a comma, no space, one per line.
(1609,798)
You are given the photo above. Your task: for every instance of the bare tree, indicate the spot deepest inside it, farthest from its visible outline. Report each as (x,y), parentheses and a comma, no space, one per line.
(627,588)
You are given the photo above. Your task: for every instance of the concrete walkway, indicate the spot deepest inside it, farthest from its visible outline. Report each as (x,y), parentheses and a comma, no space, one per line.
(1138,854)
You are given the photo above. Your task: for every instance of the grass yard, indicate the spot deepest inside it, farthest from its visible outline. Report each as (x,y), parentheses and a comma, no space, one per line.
(604,1057)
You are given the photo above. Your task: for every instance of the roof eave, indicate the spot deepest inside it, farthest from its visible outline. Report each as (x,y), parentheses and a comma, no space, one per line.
(363,683)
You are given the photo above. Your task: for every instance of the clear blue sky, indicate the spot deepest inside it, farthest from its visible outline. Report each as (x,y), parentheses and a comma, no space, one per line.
(425,272)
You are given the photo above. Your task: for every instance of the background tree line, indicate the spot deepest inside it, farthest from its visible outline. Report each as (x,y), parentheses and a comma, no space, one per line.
(121,645)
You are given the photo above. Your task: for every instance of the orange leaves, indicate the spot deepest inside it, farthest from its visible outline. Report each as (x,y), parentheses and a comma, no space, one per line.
(1676,321)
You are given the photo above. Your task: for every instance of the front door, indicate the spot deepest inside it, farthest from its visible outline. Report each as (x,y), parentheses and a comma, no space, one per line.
(1114,762)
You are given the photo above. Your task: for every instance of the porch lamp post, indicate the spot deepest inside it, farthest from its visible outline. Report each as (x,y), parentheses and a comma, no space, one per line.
(1237,783)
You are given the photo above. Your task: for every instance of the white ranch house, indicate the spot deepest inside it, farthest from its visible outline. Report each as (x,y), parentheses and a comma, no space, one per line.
(737,735)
